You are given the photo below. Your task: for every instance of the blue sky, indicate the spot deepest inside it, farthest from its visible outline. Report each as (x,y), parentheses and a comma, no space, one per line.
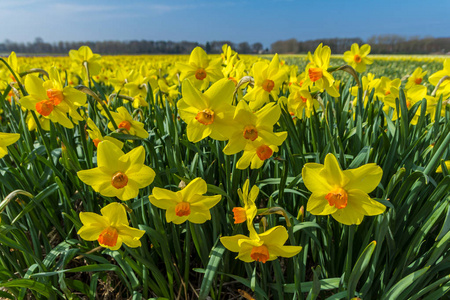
(237,21)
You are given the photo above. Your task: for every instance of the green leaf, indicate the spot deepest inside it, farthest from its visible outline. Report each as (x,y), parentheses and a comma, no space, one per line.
(359,268)
(211,269)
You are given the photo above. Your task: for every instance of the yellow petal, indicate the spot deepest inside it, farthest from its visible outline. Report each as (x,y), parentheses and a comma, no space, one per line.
(231,242)
(333,172)
(95,178)
(141,174)
(7,139)
(314,180)
(207,201)
(284,251)
(318,205)
(361,202)
(365,178)
(348,216)
(108,157)
(195,187)
(116,214)
(275,236)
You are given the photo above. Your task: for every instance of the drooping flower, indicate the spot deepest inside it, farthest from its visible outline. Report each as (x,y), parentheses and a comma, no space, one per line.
(188,204)
(118,175)
(110,228)
(262,247)
(357,57)
(209,113)
(7,139)
(343,194)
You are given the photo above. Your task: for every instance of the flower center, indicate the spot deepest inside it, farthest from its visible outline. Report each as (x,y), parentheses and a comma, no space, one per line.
(268,85)
(44,107)
(200,74)
(408,104)
(125,124)
(206,116)
(183,209)
(119,180)
(418,80)
(315,74)
(239,215)
(264,152)
(387,93)
(108,237)
(260,253)
(304,99)
(250,132)
(357,58)
(96,142)
(56,96)
(337,197)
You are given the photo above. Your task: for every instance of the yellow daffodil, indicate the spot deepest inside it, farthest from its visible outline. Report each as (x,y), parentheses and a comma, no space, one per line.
(369,83)
(96,135)
(316,70)
(268,79)
(343,194)
(7,139)
(413,95)
(253,126)
(262,247)
(50,99)
(43,121)
(255,154)
(200,69)
(447,165)
(387,88)
(118,175)
(84,55)
(110,228)
(300,101)
(434,78)
(188,204)
(415,78)
(124,120)
(209,113)
(357,57)
(248,212)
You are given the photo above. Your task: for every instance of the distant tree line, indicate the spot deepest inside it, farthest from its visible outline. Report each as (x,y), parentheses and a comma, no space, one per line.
(380,44)
(127,47)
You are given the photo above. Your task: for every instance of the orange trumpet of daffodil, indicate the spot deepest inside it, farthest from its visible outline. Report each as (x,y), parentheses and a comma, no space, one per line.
(110,229)
(343,194)
(188,204)
(118,175)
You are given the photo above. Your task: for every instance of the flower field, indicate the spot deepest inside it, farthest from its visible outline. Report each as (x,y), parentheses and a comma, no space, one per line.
(225,177)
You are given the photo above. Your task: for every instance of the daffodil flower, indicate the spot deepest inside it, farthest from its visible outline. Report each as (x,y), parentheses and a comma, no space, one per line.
(97,137)
(248,212)
(253,126)
(357,57)
(317,73)
(118,175)
(188,204)
(268,79)
(200,69)
(50,99)
(84,55)
(7,139)
(262,247)
(415,78)
(300,100)
(209,113)
(110,229)
(343,194)
(124,120)
(255,154)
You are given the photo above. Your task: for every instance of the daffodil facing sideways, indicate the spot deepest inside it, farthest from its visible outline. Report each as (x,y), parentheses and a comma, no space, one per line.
(188,204)
(357,57)
(84,58)
(110,228)
(96,135)
(248,212)
(316,70)
(416,78)
(209,113)
(7,139)
(262,247)
(118,175)
(301,102)
(343,194)
(50,99)
(200,69)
